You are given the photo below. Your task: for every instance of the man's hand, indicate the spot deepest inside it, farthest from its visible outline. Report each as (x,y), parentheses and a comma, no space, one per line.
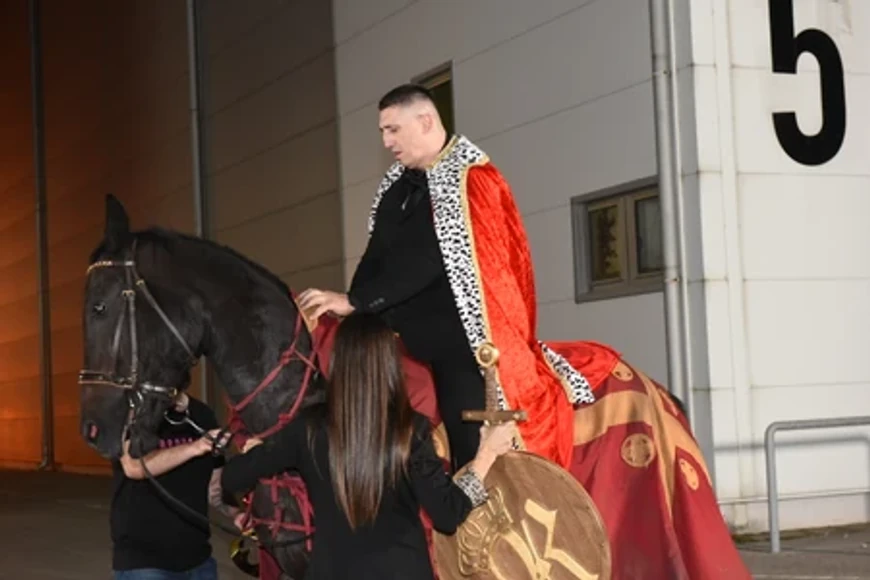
(204,444)
(251,443)
(161,461)
(315,303)
(241,521)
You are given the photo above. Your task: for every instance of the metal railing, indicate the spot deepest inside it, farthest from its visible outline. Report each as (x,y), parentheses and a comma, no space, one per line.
(770,461)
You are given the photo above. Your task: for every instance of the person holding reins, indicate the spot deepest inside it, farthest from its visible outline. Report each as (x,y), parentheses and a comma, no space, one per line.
(369,463)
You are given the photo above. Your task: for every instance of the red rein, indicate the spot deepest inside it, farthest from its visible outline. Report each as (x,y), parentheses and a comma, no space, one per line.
(293,484)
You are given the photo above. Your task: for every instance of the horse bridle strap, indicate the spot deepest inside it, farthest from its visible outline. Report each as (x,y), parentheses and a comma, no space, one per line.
(134,283)
(131,382)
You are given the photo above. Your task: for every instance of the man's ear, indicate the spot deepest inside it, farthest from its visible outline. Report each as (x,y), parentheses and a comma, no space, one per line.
(427,121)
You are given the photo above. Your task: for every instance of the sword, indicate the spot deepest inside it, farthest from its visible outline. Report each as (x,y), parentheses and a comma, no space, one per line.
(487,356)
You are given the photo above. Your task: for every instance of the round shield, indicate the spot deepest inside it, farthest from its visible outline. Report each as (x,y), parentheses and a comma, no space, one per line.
(539,523)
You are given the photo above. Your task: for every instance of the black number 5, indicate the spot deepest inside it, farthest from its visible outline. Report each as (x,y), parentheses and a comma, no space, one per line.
(785,49)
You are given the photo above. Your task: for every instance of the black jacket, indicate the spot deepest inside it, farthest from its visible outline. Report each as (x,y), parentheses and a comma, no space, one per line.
(393,547)
(402,277)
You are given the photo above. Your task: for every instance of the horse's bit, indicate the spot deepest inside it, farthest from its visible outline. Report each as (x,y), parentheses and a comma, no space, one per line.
(138,389)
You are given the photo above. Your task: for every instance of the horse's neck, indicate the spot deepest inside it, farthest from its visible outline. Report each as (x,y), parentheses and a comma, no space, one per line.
(247,340)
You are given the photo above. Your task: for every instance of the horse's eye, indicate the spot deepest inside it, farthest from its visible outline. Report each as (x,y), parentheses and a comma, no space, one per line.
(100,308)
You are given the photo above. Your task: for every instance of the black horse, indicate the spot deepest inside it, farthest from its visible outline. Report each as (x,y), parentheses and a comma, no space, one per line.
(156,301)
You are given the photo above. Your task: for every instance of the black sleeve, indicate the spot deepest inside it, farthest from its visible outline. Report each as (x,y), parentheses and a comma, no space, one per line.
(446,504)
(364,270)
(413,263)
(277,454)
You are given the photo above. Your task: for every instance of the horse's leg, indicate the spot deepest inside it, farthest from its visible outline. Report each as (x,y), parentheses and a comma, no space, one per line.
(291,558)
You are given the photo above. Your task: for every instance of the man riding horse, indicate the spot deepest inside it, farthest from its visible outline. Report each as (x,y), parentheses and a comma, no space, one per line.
(448,265)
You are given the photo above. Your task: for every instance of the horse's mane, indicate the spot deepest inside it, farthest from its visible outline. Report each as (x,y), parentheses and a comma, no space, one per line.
(169,240)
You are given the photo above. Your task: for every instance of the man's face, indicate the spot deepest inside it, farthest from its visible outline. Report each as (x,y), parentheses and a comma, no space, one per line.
(403,133)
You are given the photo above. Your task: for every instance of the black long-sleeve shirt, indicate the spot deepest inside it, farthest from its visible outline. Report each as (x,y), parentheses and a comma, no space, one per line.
(394,546)
(401,275)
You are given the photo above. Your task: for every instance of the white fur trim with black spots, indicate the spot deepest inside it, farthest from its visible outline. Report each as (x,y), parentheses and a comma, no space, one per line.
(446,189)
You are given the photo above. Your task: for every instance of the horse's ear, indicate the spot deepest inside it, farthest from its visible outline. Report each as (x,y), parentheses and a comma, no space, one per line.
(117,234)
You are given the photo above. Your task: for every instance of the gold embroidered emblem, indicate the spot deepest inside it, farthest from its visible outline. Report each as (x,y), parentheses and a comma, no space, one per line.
(622,372)
(638,450)
(689,474)
(652,408)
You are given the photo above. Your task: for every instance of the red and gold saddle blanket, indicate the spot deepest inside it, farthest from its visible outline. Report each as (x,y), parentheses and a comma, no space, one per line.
(635,455)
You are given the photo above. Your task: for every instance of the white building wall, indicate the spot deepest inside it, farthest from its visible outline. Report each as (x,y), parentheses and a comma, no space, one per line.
(531,87)
(785,270)
(777,275)
(270,145)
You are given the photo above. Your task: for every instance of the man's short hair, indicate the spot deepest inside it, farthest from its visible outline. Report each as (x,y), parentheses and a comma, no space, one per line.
(405,95)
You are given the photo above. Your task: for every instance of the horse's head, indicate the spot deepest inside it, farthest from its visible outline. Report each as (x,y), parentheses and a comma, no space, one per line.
(141,334)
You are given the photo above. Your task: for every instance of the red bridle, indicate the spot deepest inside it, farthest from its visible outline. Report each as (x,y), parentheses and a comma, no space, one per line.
(292,483)
(288,356)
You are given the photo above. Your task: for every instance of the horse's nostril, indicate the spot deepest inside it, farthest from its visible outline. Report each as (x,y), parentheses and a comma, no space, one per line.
(91,431)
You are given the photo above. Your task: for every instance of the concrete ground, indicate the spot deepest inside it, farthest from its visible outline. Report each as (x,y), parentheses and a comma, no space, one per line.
(55,526)
(843,554)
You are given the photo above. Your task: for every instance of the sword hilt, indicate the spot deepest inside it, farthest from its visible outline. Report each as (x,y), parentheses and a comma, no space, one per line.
(487,356)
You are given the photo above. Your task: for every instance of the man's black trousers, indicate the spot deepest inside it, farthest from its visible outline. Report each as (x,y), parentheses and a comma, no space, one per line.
(459,386)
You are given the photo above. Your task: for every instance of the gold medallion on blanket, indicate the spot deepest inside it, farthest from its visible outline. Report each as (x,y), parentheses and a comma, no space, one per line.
(538,523)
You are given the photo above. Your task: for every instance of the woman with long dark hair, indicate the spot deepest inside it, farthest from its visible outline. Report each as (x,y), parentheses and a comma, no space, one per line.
(369,464)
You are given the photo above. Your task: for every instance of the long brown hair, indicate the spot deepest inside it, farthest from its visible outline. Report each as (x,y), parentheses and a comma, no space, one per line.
(369,416)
